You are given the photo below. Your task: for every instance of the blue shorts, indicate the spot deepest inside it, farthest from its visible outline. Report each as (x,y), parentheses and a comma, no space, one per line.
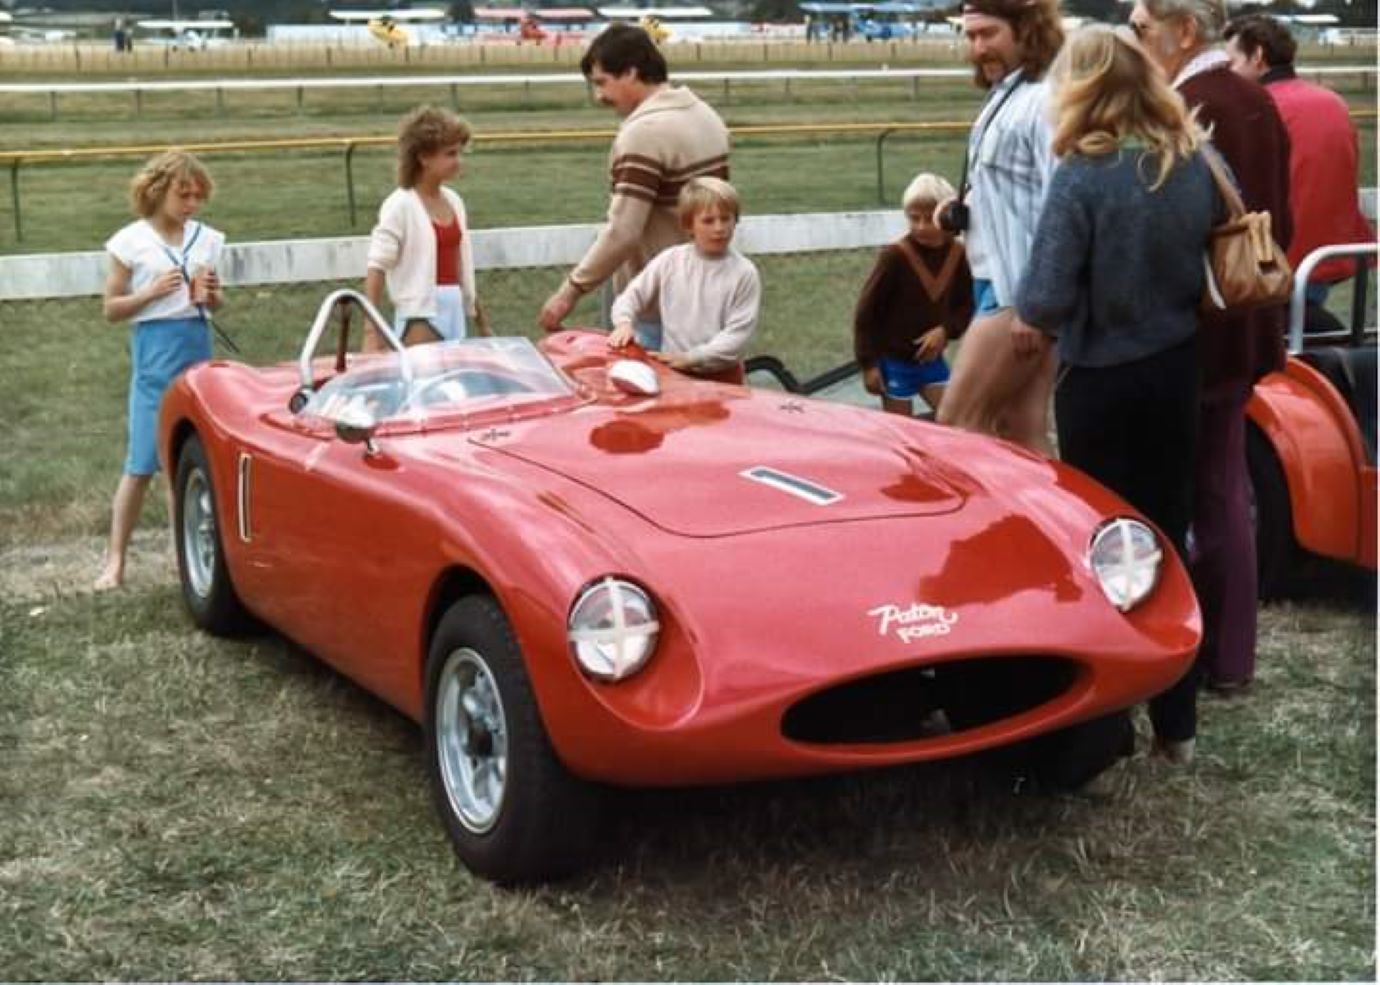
(984,298)
(902,380)
(449,320)
(158,351)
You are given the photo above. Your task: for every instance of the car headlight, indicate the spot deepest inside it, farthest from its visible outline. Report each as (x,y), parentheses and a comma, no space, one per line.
(612,629)
(1125,556)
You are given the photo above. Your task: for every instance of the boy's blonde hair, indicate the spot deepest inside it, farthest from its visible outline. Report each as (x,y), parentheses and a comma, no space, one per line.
(926,189)
(424,131)
(705,193)
(160,175)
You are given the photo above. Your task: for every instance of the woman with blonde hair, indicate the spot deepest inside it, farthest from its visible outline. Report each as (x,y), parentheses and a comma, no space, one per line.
(1115,277)
(420,247)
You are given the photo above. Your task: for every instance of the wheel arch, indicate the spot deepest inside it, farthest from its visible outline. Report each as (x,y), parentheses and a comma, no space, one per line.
(1296,413)
(452,584)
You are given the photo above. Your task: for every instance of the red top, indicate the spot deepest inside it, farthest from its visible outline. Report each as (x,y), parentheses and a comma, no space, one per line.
(1323,164)
(447,252)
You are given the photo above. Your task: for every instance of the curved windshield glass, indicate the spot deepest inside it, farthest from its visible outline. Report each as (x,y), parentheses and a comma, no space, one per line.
(446,377)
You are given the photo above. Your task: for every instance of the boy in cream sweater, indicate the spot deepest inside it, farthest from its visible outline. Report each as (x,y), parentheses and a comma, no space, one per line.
(704,293)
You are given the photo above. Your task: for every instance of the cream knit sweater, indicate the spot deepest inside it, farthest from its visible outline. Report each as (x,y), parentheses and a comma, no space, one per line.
(403,246)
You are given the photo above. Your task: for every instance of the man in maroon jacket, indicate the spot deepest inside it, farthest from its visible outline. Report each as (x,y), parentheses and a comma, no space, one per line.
(1236,350)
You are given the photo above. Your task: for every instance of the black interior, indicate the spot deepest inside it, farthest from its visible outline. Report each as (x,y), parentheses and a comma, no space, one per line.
(1352,373)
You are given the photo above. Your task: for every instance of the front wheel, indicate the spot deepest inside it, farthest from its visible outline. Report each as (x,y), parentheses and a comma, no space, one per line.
(201,568)
(512,810)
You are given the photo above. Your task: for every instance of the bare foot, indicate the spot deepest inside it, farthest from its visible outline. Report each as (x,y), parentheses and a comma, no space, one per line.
(111,578)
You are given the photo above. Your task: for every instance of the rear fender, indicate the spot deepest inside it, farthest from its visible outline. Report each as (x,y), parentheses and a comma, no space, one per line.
(1312,432)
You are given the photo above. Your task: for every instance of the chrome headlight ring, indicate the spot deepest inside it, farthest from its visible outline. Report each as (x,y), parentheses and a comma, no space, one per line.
(1126,558)
(612,628)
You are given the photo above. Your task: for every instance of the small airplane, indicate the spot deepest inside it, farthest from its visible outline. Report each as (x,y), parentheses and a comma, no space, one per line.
(191,34)
(386,25)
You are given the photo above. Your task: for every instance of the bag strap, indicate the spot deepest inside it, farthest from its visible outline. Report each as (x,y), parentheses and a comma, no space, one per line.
(1236,208)
(934,284)
(982,134)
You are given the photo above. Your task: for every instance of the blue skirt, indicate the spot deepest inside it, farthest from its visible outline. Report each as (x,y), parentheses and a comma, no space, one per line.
(158,351)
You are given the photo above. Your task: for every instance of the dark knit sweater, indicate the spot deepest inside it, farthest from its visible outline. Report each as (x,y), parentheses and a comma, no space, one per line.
(894,308)
(1116,269)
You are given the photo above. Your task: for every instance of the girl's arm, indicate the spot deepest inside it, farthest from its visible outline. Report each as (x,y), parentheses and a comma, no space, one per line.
(373,290)
(121,304)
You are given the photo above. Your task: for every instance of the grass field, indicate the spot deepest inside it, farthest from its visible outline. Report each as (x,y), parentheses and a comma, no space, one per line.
(175,806)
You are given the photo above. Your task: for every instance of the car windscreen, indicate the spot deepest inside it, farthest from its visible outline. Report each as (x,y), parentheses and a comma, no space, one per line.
(441,378)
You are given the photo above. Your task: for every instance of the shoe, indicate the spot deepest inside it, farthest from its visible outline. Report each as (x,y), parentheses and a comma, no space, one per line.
(1228,688)
(1179,753)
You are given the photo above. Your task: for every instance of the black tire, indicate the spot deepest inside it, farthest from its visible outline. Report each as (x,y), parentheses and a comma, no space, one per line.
(1073,757)
(541,824)
(1276,552)
(206,586)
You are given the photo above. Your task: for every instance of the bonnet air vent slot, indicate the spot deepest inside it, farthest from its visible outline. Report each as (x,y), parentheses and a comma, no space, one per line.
(792,485)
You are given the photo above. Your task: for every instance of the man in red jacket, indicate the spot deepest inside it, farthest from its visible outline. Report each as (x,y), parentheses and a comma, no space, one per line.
(1323,154)
(1236,349)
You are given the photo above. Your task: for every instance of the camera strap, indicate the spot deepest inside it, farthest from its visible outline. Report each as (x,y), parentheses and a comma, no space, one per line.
(982,134)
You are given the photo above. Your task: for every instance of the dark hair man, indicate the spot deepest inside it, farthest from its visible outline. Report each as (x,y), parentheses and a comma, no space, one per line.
(668,136)
(1324,155)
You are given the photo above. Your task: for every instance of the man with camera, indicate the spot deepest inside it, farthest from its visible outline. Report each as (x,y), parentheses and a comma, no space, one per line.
(1005,369)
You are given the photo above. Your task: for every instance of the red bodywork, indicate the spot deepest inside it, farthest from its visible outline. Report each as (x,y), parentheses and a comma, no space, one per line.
(1315,436)
(764,598)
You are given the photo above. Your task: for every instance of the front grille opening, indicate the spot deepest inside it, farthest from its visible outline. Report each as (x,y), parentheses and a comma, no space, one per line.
(926,702)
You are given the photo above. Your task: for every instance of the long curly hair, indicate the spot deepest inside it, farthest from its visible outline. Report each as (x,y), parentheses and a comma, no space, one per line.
(1107,92)
(1037,24)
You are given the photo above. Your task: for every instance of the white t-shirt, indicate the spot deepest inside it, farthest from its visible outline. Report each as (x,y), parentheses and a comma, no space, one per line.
(139,247)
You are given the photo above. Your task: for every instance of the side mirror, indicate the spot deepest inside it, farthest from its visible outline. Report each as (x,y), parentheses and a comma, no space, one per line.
(356,426)
(637,378)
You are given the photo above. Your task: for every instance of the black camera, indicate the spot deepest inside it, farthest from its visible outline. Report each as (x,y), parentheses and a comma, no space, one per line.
(954,219)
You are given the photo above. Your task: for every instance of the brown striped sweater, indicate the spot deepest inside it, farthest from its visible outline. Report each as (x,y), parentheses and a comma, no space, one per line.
(671,137)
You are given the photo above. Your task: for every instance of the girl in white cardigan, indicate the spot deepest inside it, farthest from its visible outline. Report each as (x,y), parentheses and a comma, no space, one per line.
(421,246)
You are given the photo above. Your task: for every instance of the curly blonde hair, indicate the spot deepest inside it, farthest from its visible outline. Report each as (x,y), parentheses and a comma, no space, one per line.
(1107,92)
(424,131)
(162,174)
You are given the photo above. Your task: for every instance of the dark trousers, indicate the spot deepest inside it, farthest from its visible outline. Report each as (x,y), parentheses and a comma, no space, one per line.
(1134,427)
(1223,562)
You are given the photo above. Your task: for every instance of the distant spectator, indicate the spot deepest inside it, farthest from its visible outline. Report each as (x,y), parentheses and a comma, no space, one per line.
(420,248)
(918,299)
(1183,36)
(1116,276)
(119,34)
(705,294)
(668,136)
(1005,369)
(1323,149)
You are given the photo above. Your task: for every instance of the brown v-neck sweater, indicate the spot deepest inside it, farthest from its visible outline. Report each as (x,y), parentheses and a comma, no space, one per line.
(895,308)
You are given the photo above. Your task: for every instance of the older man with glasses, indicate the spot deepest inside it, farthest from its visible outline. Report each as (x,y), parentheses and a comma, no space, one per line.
(1183,37)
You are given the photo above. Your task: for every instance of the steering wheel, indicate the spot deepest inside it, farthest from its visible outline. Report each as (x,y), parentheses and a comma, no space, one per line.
(473,383)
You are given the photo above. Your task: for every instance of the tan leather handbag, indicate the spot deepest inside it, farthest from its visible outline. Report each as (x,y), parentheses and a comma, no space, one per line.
(1245,266)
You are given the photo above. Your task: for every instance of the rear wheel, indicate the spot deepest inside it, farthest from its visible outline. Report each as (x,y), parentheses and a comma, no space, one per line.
(201,567)
(512,810)
(1271,516)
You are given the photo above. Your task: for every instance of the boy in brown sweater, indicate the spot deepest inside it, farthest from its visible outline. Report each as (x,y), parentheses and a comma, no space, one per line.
(919,297)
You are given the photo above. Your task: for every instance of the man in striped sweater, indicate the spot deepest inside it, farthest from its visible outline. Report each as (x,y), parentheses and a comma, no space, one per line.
(668,136)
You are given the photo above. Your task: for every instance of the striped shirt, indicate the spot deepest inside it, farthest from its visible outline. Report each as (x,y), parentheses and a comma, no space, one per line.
(671,137)
(1010,164)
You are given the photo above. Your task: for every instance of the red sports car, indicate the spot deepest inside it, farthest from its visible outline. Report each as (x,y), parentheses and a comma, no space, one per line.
(578,570)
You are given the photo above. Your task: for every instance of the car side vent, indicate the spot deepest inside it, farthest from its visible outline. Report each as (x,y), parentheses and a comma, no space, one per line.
(792,485)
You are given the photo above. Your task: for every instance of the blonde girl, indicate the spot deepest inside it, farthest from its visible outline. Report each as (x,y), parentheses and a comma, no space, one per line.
(163,279)
(1115,276)
(420,248)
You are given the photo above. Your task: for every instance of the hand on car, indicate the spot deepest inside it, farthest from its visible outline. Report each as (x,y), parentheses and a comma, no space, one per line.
(621,336)
(557,306)
(675,360)
(930,346)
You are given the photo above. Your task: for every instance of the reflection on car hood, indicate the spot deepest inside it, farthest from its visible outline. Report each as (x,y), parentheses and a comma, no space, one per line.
(714,462)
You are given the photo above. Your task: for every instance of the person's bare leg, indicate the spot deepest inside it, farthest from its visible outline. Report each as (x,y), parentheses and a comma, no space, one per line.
(124,513)
(893,406)
(1027,421)
(933,393)
(981,375)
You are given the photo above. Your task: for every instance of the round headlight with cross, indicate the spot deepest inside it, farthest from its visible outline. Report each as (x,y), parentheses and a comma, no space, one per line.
(612,629)
(1125,556)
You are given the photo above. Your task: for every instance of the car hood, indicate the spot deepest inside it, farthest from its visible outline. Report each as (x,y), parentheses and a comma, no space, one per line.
(709,464)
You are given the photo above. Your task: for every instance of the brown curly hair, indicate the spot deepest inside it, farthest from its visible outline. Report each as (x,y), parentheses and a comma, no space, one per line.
(161,174)
(424,131)
(1037,24)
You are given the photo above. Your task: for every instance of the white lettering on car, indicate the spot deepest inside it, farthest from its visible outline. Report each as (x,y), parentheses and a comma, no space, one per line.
(914,622)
